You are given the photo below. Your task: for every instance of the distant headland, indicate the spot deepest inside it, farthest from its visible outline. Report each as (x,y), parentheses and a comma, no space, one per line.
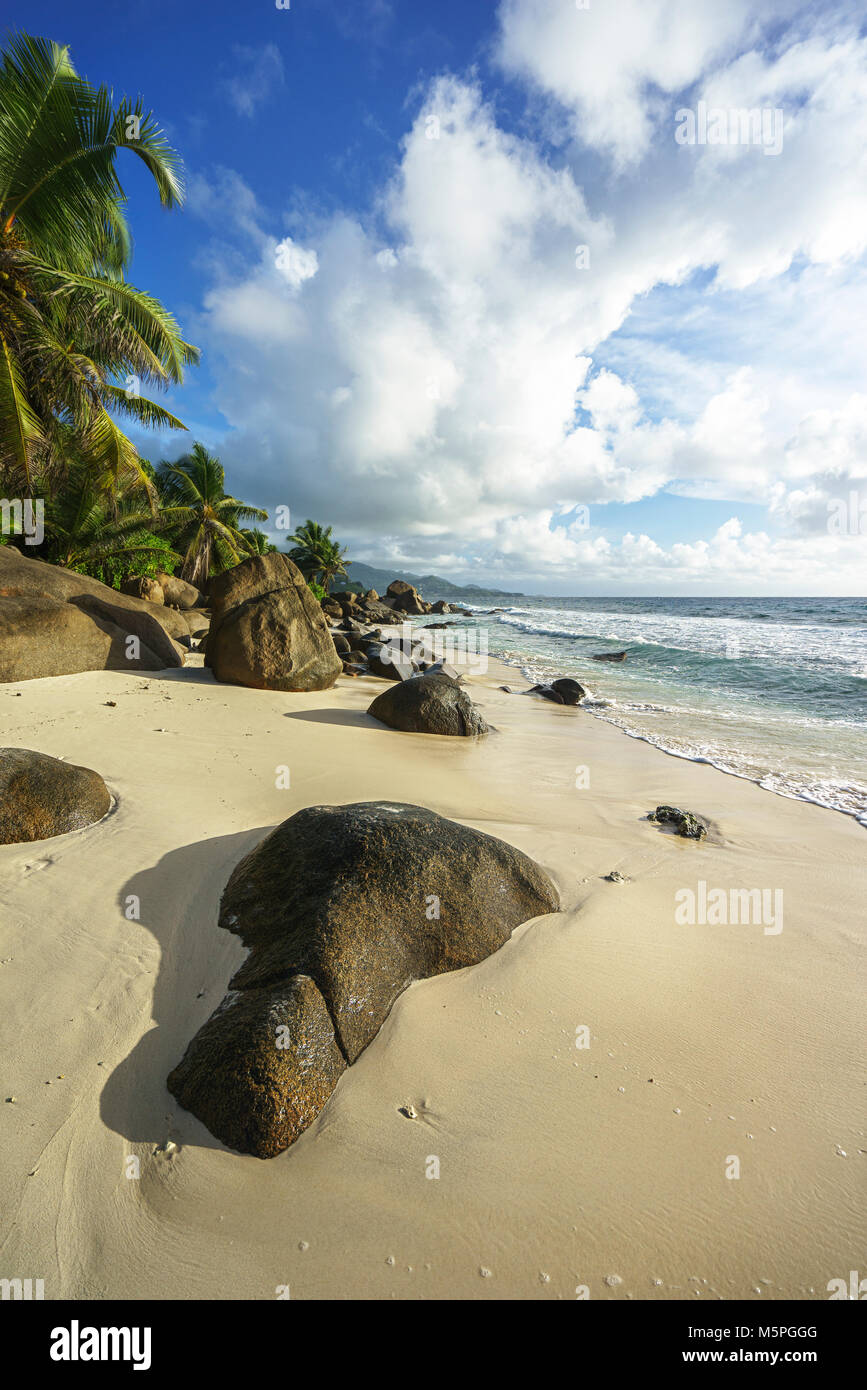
(431,585)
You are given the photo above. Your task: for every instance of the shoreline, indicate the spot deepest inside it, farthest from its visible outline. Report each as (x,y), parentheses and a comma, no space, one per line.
(555,1161)
(597,704)
(859,818)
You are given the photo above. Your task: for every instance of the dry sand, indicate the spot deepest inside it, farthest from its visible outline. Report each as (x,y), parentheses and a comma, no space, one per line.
(559,1167)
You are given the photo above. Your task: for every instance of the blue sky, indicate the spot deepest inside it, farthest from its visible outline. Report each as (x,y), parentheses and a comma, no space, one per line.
(396,337)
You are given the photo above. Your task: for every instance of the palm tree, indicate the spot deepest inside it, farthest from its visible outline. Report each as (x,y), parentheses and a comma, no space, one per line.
(317,554)
(202,521)
(257,542)
(77,341)
(106,540)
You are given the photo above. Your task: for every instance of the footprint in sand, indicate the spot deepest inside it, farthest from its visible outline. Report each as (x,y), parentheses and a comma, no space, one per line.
(34,864)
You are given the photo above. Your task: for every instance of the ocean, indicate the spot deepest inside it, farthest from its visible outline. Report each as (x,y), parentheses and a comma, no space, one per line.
(774,690)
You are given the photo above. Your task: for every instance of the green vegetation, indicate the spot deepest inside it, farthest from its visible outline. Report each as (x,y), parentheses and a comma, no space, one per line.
(77,341)
(202,520)
(317,554)
(257,542)
(110,541)
(78,344)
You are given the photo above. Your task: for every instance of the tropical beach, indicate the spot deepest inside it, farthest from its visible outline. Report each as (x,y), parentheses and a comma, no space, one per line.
(433,781)
(558,1166)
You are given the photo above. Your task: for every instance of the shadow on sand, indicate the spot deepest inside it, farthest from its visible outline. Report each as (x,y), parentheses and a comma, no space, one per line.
(179,898)
(185,675)
(353,719)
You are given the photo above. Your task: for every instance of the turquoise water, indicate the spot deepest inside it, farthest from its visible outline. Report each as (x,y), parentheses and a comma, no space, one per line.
(770,689)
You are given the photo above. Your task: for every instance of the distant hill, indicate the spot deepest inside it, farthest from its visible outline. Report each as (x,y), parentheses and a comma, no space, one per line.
(430,586)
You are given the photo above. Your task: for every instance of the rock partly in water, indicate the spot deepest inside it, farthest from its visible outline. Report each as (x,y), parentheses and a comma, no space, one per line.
(685,823)
(547,693)
(267,630)
(569,690)
(562,691)
(609,656)
(41,796)
(429,704)
(362,899)
(54,622)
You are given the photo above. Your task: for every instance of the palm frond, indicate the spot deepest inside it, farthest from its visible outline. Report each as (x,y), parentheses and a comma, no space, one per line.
(20,427)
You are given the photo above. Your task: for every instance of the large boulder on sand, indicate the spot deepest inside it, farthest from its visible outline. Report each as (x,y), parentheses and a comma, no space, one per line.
(140,586)
(362,899)
(54,622)
(198,620)
(267,629)
(431,704)
(375,611)
(404,598)
(178,593)
(391,663)
(41,796)
(262,1067)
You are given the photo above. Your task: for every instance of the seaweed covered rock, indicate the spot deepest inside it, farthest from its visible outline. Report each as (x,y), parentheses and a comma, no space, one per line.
(41,796)
(429,704)
(362,900)
(685,823)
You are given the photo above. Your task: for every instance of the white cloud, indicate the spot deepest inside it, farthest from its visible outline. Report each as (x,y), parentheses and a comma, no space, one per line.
(295,263)
(255,72)
(427,381)
(609,64)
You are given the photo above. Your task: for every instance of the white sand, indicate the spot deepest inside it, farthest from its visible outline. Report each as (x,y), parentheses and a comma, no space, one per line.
(558,1166)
